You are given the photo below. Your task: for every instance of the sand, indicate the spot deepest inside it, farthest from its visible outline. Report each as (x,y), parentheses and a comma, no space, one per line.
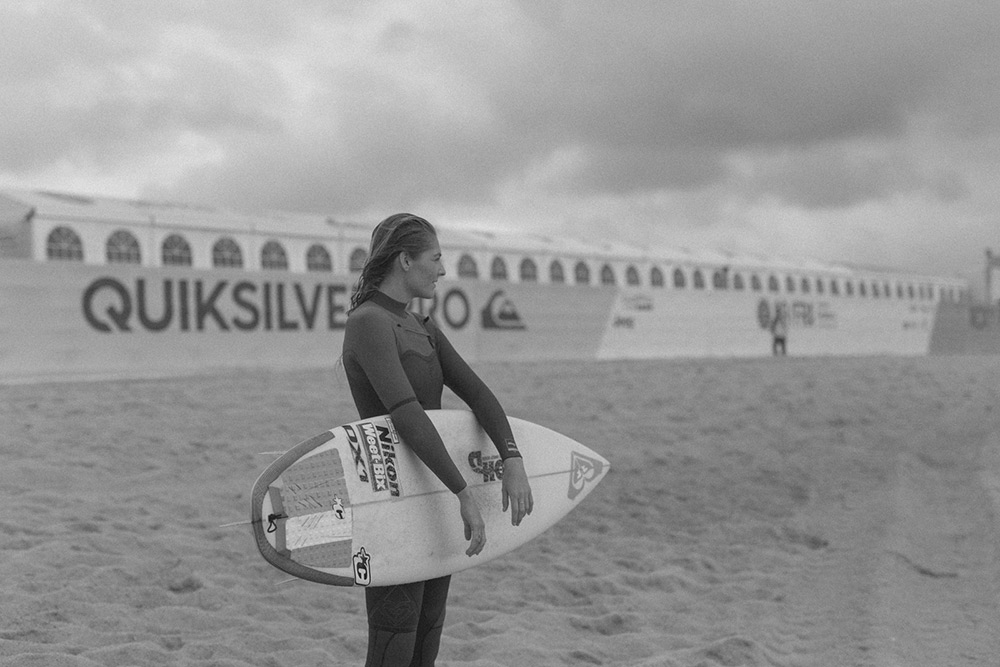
(766,512)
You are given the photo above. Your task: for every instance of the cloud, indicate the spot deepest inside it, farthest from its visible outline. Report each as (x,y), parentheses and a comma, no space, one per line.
(684,118)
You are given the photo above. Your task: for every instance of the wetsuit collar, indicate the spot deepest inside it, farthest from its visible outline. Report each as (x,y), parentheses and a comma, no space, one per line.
(390,304)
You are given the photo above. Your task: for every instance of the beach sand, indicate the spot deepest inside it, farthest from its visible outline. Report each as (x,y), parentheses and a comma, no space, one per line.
(789,512)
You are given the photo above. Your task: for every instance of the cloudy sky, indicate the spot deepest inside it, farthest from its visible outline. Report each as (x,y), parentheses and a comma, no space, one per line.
(859,130)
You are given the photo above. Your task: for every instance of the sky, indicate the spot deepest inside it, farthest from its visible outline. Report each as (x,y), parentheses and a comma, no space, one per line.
(865,131)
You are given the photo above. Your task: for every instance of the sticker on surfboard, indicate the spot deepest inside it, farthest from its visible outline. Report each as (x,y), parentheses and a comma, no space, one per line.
(583,469)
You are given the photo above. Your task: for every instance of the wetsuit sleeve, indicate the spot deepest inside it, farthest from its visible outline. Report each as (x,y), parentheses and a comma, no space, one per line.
(372,344)
(468,386)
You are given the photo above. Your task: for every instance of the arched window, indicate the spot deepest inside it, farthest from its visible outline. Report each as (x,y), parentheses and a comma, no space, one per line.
(467,267)
(680,282)
(755,283)
(175,251)
(64,243)
(607,275)
(698,279)
(498,269)
(528,271)
(226,253)
(123,248)
(631,275)
(357,260)
(789,284)
(806,288)
(720,279)
(318,258)
(556,274)
(772,284)
(738,283)
(656,277)
(273,256)
(581,273)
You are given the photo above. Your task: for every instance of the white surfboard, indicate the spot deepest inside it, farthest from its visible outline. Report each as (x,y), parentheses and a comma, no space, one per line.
(355,506)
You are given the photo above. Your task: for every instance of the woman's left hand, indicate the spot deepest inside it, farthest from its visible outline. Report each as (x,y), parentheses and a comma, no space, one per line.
(516,490)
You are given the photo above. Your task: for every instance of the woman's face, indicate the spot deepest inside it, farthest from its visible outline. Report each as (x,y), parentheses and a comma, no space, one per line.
(425,269)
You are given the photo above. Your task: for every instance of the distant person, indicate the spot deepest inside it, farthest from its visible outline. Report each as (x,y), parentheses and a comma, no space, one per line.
(779,332)
(397,363)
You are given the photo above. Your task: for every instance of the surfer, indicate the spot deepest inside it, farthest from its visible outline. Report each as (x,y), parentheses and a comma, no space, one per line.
(779,331)
(398,363)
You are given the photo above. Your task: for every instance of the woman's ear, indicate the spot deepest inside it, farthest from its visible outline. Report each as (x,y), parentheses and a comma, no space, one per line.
(404,260)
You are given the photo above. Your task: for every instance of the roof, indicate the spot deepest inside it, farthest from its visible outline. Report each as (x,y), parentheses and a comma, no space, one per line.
(15,204)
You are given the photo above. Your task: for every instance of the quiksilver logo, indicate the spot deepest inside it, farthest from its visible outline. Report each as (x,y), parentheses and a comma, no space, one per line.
(500,313)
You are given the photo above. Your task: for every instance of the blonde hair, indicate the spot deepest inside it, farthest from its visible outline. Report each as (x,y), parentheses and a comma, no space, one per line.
(402,232)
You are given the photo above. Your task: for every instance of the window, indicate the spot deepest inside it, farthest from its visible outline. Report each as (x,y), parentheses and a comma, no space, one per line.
(272,256)
(848,288)
(820,288)
(528,271)
(698,279)
(656,277)
(910,291)
(318,258)
(498,269)
(680,282)
(789,284)
(862,290)
(357,260)
(834,287)
(772,284)
(123,248)
(899,291)
(720,279)
(806,287)
(738,282)
(875,290)
(226,253)
(607,275)
(582,273)
(175,251)
(632,275)
(64,243)
(556,274)
(887,290)
(467,267)
(755,283)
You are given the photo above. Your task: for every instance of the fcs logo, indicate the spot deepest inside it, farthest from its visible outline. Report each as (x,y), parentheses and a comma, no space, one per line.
(582,469)
(362,573)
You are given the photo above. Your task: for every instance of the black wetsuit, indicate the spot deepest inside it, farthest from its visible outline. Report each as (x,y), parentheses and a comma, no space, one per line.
(398,364)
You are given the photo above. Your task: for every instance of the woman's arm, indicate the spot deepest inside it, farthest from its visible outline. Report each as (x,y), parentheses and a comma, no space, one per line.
(370,342)
(468,386)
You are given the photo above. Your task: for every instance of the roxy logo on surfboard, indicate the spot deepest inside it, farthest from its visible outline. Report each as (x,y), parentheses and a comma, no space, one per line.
(582,469)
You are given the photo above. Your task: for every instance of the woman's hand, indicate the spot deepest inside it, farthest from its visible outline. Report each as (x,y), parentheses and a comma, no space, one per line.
(516,490)
(475,527)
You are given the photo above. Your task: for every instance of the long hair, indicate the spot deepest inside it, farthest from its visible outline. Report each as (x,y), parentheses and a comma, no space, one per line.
(402,232)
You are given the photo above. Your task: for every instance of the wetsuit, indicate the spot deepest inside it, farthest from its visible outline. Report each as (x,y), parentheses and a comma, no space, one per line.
(398,363)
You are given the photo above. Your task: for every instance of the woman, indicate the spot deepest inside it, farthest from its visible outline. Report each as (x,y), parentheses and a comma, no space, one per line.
(397,363)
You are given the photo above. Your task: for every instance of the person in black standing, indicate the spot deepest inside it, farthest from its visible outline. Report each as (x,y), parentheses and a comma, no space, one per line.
(397,363)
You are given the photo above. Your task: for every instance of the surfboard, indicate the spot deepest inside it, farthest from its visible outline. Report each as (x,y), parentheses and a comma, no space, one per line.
(354,506)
